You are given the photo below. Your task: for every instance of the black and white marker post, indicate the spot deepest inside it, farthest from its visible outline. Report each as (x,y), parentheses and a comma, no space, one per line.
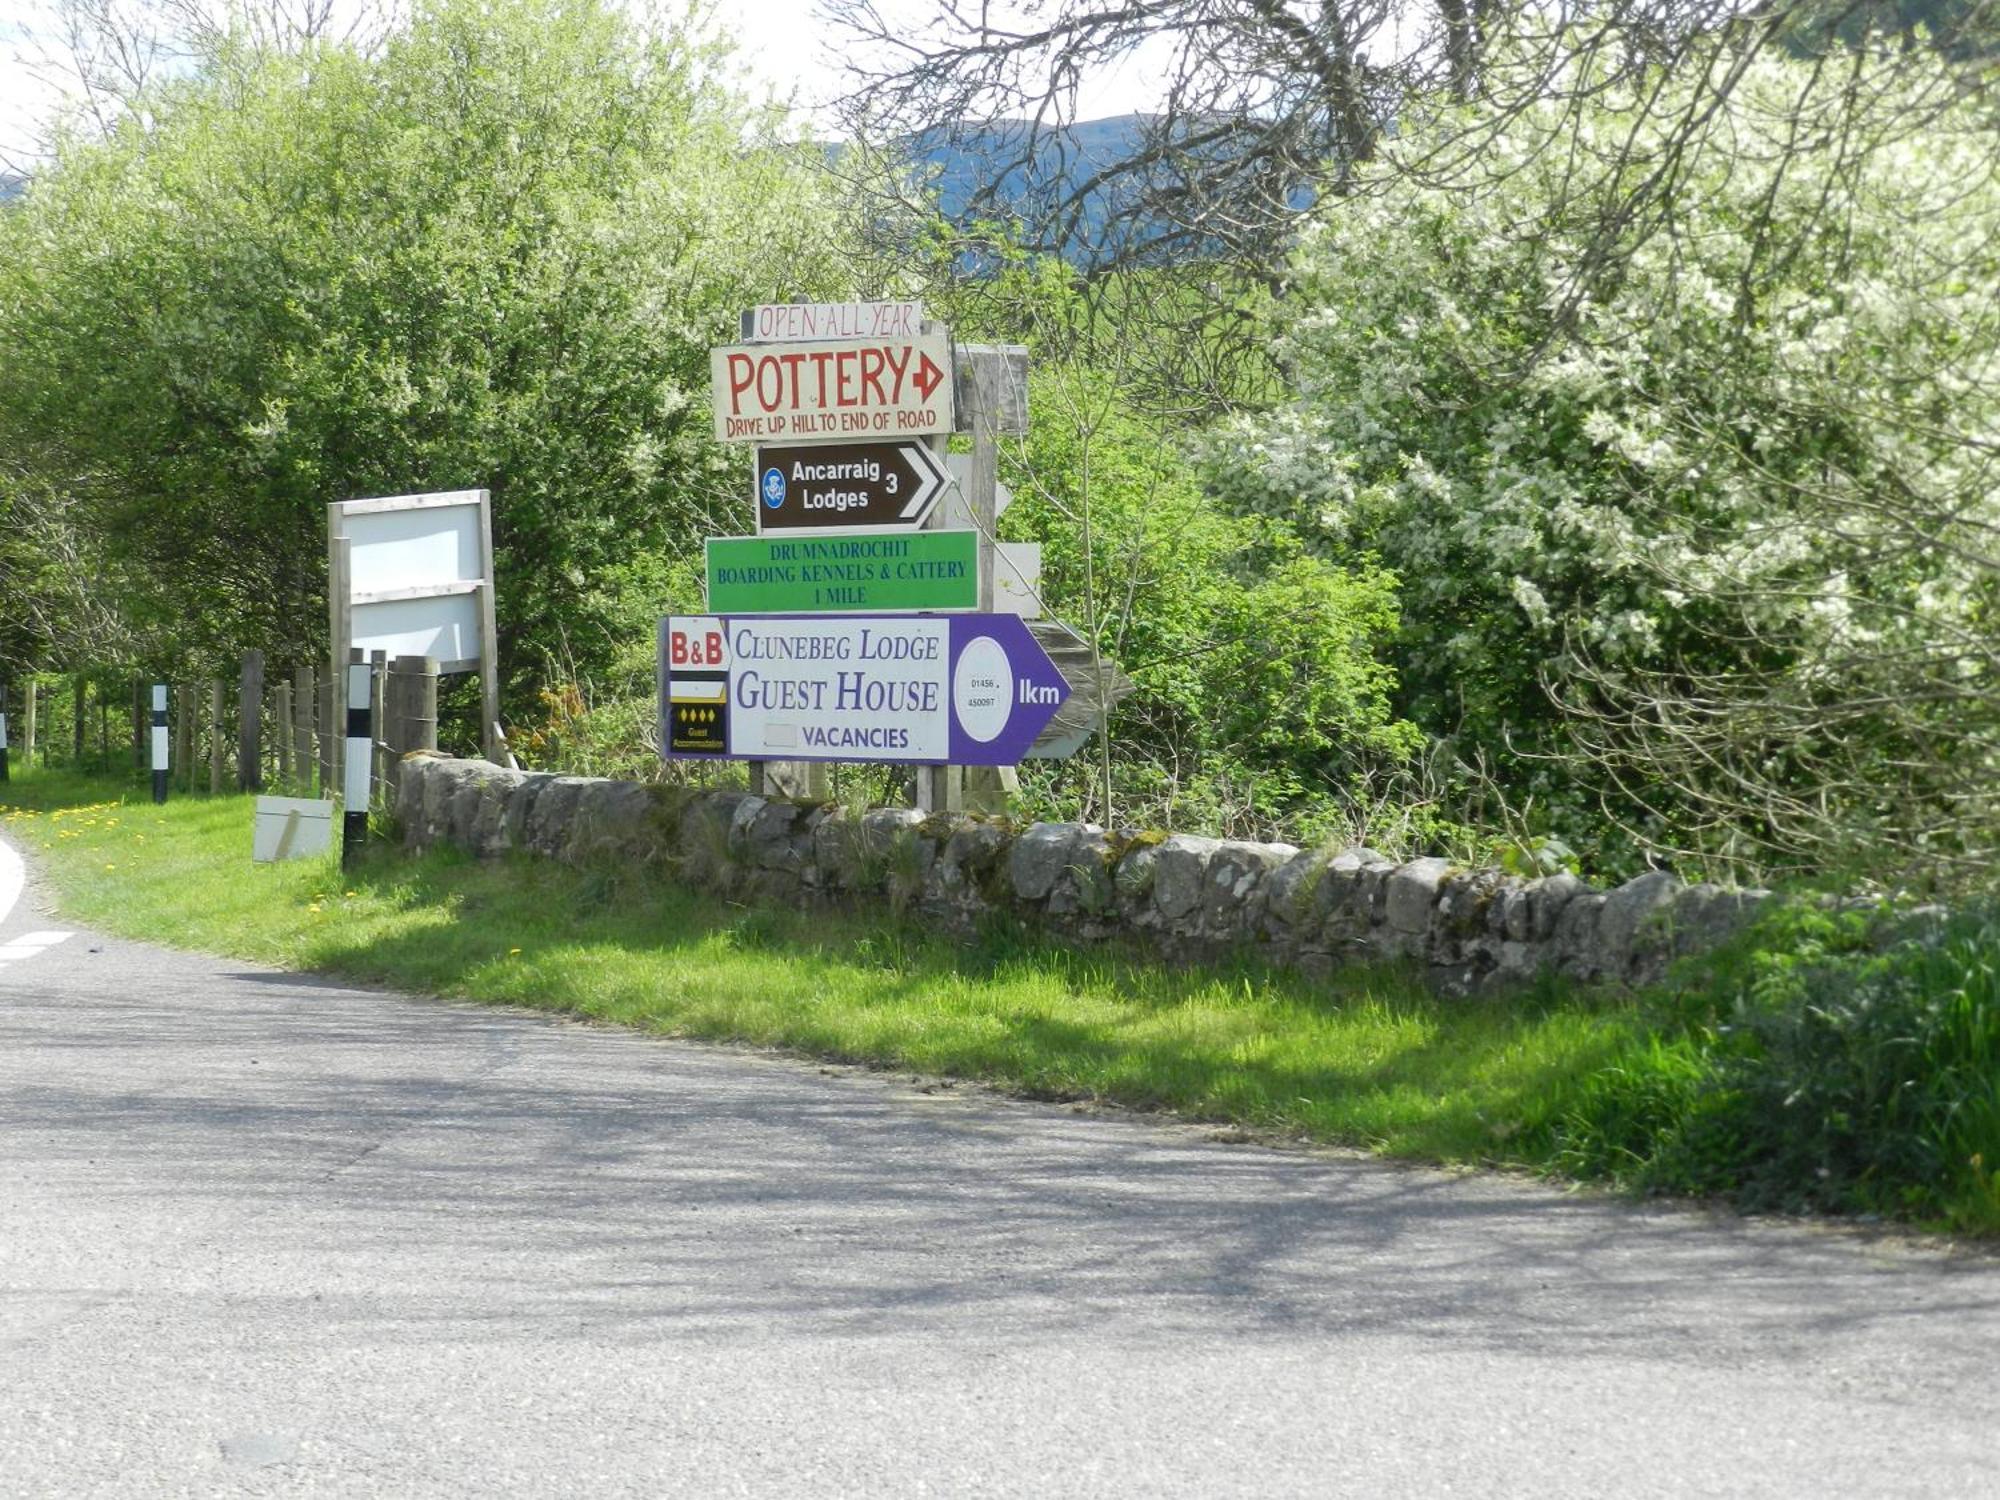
(159,742)
(3,729)
(360,756)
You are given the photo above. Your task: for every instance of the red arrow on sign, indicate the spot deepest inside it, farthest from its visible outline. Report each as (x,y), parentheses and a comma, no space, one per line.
(927,377)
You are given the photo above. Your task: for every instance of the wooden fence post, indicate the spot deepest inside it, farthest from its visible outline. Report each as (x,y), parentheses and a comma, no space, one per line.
(82,686)
(281,714)
(184,738)
(378,754)
(218,727)
(250,724)
(420,702)
(30,691)
(391,731)
(413,686)
(304,694)
(329,737)
(139,723)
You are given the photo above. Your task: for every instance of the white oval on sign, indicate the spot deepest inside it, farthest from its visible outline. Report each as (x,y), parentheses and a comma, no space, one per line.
(982,689)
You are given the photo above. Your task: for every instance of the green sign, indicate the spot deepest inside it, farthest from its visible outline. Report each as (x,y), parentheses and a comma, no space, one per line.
(877,571)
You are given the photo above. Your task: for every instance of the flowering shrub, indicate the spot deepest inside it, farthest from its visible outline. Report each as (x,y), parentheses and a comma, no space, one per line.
(1684,456)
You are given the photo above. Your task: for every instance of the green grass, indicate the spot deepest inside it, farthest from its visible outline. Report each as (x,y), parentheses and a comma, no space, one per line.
(1808,1068)
(1366,1059)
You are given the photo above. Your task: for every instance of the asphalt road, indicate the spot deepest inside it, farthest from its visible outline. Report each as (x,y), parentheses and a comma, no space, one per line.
(262,1235)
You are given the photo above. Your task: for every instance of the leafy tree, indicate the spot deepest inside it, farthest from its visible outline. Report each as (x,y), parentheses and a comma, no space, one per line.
(1260,704)
(492,254)
(1709,542)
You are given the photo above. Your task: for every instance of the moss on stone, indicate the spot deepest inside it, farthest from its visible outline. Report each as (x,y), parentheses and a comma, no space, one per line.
(942,825)
(1307,890)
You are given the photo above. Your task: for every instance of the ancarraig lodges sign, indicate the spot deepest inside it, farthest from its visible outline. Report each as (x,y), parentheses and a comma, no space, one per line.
(896,387)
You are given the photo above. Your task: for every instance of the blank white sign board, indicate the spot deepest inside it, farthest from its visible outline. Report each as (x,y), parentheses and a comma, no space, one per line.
(446,627)
(400,549)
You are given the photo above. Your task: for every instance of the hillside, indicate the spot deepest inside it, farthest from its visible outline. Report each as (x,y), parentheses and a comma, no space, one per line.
(982,168)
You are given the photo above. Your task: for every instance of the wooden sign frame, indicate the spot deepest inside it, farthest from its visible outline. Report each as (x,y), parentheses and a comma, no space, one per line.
(343,599)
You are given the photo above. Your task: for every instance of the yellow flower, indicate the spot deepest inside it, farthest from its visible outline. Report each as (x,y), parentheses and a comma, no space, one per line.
(512,951)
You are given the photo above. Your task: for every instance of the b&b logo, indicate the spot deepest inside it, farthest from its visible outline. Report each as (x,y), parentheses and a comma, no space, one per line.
(689,648)
(697,686)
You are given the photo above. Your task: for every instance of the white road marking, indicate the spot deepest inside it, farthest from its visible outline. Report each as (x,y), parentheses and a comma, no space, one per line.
(13,878)
(19,948)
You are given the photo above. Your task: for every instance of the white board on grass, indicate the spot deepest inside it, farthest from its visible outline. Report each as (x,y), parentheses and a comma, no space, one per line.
(291,828)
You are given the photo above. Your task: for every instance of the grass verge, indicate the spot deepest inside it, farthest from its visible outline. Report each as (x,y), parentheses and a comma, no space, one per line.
(1733,1083)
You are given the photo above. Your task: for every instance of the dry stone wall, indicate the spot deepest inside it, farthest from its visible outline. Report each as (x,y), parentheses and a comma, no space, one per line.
(1183,894)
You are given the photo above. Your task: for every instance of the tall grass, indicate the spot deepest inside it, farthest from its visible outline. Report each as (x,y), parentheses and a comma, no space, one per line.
(1814,1065)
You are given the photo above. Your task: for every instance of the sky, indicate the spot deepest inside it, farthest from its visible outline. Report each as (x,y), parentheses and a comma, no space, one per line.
(783,44)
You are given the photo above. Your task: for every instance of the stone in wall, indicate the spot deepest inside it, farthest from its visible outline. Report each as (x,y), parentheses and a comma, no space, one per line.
(1132,882)
(1040,856)
(1629,938)
(1233,889)
(966,867)
(1180,866)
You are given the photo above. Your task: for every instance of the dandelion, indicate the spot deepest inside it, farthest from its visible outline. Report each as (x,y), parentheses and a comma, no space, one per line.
(512,951)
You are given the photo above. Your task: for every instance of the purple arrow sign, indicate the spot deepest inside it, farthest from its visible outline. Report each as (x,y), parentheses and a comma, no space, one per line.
(1004,689)
(970,690)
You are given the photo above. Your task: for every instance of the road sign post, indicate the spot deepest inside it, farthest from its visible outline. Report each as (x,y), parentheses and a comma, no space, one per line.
(876,388)
(926,690)
(992,400)
(879,572)
(358,761)
(832,387)
(851,406)
(159,737)
(826,486)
